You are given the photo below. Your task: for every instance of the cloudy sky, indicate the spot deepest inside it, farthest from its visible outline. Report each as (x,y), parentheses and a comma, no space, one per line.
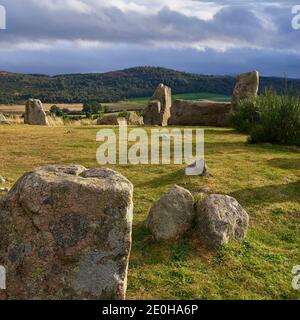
(210,37)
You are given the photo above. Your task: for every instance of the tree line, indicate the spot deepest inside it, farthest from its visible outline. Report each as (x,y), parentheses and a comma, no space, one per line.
(118,85)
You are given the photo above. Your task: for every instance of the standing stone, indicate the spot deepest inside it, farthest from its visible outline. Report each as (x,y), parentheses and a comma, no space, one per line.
(3,120)
(246,88)
(111,120)
(219,218)
(133,119)
(172,216)
(65,233)
(158,111)
(35,114)
(152,116)
(199,113)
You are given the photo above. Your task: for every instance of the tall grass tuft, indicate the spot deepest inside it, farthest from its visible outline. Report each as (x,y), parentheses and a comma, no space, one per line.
(271,117)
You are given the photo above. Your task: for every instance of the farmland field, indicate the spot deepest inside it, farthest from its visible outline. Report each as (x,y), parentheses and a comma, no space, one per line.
(19,109)
(130,104)
(122,105)
(265,179)
(191,96)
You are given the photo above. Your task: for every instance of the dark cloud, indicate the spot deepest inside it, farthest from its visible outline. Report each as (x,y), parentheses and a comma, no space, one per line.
(28,22)
(241,35)
(231,62)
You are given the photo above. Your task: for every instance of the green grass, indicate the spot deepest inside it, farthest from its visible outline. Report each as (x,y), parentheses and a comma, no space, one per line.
(190,96)
(264,178)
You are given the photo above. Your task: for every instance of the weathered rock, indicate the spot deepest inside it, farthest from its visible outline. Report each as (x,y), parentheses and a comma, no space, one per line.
(172,215)
(219,218)
(133,119)
(158,111)
(35,114)
(199,113)
(3,120)
(152,115)
(2,180)
(246,88)
(65,233)
(111,120)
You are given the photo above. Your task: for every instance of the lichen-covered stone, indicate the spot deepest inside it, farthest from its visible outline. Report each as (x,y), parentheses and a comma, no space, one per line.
(158,111)
(172,216)
(219,218)
(199,113)
(152,116)
(35,114)
(133,119)
(111,120)
(65,233)
(246,88)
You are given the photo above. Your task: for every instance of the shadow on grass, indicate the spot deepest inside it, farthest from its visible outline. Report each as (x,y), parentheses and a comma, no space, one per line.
(166,179)
(270,194)
(240,146)
(220,131)
(153,252)
(288,164)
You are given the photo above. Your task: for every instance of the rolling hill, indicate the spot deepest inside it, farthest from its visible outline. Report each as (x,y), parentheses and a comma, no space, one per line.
(117,85)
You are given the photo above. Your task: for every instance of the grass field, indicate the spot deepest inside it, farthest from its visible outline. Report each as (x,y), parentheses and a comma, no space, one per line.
(264,178)
(130,104)
(19,109)
(122,105)
(190,96)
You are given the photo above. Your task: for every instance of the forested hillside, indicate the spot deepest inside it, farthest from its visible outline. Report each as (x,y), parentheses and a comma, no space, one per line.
(116,86)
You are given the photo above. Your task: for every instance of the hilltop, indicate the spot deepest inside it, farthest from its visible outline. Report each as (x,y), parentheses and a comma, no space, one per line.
(116,85)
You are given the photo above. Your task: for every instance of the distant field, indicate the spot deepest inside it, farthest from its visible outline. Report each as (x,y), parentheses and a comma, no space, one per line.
(125,105)
(190,96)
(131,104)
(202,96)
(17,108)
(122,105)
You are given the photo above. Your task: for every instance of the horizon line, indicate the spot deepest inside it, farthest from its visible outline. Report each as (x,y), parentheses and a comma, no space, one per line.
(234,75)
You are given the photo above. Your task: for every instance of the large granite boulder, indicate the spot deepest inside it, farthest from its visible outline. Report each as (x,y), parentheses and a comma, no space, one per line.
(111,120)
(246,88)
(65,233)
(172,216)
(3,120)
(219,218)
(133,119)
(35,114)
(158,111)
(199,113)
